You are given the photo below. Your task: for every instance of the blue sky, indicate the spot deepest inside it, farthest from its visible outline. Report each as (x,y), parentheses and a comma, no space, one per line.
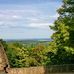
(26,19)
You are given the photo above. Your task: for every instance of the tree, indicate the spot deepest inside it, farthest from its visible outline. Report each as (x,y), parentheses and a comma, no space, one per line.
(62,46)
(19,56)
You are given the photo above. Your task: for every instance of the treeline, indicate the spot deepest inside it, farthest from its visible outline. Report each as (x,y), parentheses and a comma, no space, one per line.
(62,46)
(20,55)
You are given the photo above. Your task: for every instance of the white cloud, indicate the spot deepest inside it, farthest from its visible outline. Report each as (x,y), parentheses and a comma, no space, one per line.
(26,17)
(38,25)
(54,16)
(15,16)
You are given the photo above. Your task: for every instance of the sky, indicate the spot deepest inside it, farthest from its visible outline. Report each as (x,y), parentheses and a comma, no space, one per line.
(27,19)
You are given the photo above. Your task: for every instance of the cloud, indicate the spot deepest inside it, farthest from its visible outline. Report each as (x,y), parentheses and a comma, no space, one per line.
(38,25)
(27,20)
(24,18)
(27,16)
(54,16)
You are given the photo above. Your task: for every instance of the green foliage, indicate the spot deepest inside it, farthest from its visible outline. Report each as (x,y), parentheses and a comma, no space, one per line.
(20,55)
(62,46)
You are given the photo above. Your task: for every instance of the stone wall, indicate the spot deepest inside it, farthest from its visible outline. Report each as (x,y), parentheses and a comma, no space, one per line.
(34,70)
(3,58)
(43,70)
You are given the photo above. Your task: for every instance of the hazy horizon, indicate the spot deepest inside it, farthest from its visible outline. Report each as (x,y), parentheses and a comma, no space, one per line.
(30,39)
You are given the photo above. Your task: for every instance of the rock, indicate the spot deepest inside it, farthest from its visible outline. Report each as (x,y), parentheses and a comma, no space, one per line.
(3,60)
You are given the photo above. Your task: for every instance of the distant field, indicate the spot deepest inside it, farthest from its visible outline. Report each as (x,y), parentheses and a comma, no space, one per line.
(31,42)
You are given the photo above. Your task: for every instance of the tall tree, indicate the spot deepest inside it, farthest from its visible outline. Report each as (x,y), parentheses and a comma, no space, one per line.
(62,45)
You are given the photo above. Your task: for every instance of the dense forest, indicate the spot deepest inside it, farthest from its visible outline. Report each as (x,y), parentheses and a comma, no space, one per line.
(43,53)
